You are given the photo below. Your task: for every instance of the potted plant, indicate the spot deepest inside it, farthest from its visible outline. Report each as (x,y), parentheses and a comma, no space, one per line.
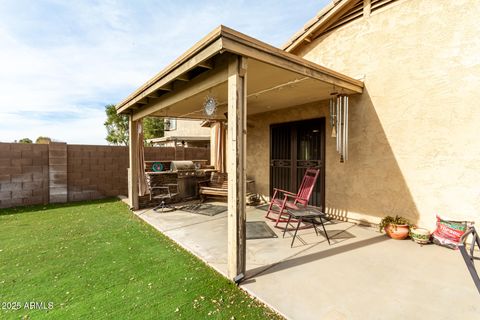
(396,228)
(420,235)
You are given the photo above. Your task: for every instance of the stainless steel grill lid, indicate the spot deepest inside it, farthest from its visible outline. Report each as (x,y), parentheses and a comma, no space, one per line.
(187,183)
(182,166)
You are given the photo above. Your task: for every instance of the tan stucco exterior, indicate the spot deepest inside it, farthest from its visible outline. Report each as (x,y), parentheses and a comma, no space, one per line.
(188,128)
(414,149)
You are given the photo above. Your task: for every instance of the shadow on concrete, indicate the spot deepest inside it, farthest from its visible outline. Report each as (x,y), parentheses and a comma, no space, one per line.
(337,234)
(298,261)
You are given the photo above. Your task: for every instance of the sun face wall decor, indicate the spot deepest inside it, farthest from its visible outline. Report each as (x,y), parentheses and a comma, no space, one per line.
(210,106)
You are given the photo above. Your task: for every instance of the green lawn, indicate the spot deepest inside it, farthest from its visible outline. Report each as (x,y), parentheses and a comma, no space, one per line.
(95,260)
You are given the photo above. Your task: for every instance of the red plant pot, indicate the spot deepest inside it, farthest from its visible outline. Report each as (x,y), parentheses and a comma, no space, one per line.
(397,231)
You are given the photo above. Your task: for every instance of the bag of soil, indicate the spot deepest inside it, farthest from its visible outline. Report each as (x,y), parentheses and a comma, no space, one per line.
(448,232)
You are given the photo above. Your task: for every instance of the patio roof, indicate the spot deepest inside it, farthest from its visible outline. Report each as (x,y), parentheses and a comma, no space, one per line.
(276,79)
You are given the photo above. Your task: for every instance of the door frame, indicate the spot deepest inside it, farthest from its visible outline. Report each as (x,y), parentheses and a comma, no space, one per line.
(293,155)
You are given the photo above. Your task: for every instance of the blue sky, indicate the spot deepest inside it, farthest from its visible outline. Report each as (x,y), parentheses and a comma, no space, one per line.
(61,61)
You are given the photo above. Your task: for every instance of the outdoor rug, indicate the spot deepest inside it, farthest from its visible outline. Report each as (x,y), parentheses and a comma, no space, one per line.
(259,230)
(205,209)
(263,207)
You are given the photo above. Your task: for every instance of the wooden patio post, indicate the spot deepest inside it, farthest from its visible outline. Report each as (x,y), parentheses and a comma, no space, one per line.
(236,146)
(133,161)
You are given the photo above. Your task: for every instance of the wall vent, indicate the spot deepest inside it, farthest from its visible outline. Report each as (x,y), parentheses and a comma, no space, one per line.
(355,13)
(378,4)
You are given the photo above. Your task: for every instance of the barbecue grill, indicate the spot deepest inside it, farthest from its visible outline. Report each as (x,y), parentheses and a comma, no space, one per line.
(187,182)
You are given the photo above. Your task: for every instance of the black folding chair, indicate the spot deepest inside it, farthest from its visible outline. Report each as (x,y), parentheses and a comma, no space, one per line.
(163,192)
(469,256)
(308,214)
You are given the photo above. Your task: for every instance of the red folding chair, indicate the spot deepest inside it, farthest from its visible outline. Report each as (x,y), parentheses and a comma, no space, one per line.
(283,200)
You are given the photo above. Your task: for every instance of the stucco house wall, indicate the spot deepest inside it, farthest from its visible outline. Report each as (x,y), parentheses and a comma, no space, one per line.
(188,128)
(414,146)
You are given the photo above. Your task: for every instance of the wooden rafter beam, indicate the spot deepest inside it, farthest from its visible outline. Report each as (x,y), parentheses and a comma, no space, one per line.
(183,77)
(208,64)
(160,91)
(167,87)
(201,83)
(154,95)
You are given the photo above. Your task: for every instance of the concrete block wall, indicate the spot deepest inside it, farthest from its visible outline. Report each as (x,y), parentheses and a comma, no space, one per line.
(96,171)
(165,154)
(195,154)
(23,174)
(57,168)
(56,173)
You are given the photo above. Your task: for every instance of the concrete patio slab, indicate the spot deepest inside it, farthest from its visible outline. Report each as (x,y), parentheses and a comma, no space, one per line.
(361,275)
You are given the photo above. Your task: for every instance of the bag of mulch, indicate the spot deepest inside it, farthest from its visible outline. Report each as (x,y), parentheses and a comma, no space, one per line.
(448,232)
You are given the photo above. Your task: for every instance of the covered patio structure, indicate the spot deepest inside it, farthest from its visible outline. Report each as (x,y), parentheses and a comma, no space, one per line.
(245,77)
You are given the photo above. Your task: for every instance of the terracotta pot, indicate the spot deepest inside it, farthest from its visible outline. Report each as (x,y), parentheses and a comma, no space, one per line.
(397,231)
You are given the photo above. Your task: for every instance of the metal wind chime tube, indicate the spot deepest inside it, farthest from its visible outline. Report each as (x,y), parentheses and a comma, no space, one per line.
(330,105)
(342,126)
(339,125)
(344,105)
(339,121)
(345,155)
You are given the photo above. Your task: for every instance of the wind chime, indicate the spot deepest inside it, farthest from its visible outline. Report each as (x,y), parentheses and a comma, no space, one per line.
(339,123)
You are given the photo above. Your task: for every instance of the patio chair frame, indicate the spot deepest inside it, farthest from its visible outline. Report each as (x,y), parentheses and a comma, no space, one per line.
(469,257)
(171,192)
(310,218)
(291,200)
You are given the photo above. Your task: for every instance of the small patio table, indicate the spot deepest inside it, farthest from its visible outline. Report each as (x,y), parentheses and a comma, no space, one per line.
(309,215)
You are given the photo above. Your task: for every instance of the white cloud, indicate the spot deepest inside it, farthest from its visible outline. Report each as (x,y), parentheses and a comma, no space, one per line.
(71,127)
(61,57)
